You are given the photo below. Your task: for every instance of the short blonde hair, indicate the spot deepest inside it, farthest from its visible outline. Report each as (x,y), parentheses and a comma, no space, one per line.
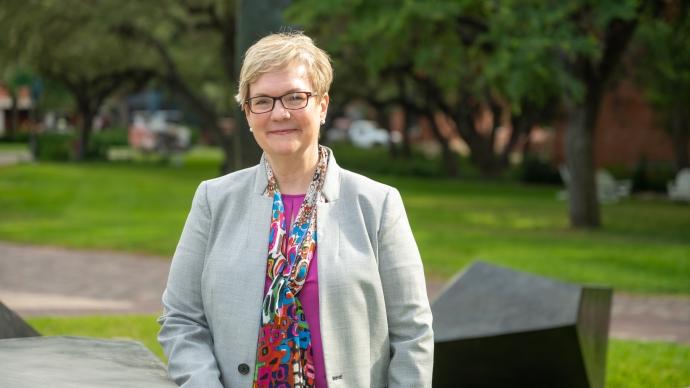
(279,51)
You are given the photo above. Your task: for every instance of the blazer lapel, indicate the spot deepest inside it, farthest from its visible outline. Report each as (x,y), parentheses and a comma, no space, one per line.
(256,225)
(328,235)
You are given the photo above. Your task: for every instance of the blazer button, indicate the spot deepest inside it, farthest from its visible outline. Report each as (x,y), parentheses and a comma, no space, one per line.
(243,368)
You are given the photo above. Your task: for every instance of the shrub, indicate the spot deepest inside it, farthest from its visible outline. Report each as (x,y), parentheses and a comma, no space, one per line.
(652,176)
(101,141)
(54,146)
(536,170)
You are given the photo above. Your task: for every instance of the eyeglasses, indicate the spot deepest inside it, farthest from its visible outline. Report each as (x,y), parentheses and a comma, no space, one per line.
(292,101)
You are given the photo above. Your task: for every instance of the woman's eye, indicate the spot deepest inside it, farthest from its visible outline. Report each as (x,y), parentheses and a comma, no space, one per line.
(295,98)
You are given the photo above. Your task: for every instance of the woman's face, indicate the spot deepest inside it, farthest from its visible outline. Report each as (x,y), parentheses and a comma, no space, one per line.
(284,132)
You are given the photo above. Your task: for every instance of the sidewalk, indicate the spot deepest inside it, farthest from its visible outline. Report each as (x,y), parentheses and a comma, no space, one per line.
(58,281)
(8,158)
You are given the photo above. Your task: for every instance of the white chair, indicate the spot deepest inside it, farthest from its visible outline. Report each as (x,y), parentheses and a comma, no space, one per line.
(679,190)
(609,190)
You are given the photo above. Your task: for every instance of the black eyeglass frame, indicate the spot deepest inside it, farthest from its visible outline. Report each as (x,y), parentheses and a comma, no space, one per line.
(279,98)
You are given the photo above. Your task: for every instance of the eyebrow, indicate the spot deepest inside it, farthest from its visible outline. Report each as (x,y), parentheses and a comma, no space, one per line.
(293,90)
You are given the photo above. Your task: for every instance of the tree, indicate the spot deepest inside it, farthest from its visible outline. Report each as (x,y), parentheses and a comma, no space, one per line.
(69,43)
(663,68)
(451,57)
(199,45)
(531,58)
(192,42)
(610,24)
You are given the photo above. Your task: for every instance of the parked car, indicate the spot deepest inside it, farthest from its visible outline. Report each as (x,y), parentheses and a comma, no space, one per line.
(158,132)
(365,134)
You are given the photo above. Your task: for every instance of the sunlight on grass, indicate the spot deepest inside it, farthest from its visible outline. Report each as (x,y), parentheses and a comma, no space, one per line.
(644,245)
(142,328)
(635,364)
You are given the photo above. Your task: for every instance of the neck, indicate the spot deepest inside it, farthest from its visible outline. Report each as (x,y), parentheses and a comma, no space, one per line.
(294,174)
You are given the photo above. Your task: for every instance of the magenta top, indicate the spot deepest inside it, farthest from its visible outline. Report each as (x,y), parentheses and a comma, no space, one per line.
(309,296)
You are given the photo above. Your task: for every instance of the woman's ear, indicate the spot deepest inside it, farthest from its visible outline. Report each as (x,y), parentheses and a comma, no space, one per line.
(324,106)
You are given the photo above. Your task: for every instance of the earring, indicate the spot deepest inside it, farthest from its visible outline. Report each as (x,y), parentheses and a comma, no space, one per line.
(323,121)
(250,129)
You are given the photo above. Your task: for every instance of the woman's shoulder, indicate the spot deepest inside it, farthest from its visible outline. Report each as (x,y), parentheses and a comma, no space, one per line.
(231,182)
(359,185)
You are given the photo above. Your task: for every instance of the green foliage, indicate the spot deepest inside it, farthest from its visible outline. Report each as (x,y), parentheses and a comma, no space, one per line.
(664,68)
(105,139)
(378,161)
(141,207)
(536,170)
(652,176)
(67,37)
(57,146)
(191,33)
(53,146)
(520,50)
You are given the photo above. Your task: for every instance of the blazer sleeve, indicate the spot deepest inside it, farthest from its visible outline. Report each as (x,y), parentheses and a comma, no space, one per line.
(184,334)
(407,304)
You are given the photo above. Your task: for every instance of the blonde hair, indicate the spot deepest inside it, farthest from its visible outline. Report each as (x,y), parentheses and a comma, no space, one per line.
(279,51)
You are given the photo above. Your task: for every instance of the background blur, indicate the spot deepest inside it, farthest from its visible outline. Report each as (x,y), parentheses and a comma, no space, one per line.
(547,136)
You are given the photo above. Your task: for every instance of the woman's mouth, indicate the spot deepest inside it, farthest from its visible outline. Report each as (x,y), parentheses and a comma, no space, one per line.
(282,131)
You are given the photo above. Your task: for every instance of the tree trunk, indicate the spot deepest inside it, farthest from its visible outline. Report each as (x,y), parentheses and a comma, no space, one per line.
(255,19)
(579,136)
(579,157)
(13,128)
(449,159)
(410,120)
(680,137)
(87,116)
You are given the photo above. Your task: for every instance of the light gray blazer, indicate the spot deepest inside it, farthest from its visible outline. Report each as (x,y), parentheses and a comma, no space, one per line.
(374,312)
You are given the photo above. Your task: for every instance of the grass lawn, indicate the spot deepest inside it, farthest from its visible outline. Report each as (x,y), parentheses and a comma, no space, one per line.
(630,364)
(141,207)
(13,147)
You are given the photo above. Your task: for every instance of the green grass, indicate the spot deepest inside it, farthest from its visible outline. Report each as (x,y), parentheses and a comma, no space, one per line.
(630,364)
(635,364)
(13,147)
(141,207)
(143,328)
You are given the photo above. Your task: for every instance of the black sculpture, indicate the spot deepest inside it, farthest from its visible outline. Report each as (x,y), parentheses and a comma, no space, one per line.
(13,326)
(75,362)
(495,327)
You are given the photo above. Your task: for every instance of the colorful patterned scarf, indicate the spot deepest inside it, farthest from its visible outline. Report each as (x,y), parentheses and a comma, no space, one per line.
(284,355)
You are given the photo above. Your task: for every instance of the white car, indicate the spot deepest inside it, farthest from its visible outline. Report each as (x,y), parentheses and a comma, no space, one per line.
(364,134)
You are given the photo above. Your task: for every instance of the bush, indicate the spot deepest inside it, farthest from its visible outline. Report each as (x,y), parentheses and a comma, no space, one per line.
(54,146)
(652,176)
(20,137)
(377,160)
(536,170)
(101,141)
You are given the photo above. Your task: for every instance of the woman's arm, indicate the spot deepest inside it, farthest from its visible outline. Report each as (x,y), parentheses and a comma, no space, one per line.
(407,305)
(184,334)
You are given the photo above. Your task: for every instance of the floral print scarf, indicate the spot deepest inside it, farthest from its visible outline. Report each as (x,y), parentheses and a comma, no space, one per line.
(284,353)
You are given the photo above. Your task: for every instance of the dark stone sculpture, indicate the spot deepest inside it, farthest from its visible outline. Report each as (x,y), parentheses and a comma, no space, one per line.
(495,327)
(76,362)
(13,326)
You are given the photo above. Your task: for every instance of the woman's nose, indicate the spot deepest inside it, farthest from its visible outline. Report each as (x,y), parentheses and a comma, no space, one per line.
(279,112)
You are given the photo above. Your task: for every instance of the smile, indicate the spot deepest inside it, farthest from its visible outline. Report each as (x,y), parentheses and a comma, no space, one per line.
(282,131)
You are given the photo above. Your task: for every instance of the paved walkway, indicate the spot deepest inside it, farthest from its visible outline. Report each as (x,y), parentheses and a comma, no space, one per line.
(10,157)
(48,280)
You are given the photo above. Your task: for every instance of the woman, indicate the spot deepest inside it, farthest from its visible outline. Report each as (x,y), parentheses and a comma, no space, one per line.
(338,299)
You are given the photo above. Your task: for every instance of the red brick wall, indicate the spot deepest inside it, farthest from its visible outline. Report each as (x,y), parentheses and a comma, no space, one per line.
(626,131)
